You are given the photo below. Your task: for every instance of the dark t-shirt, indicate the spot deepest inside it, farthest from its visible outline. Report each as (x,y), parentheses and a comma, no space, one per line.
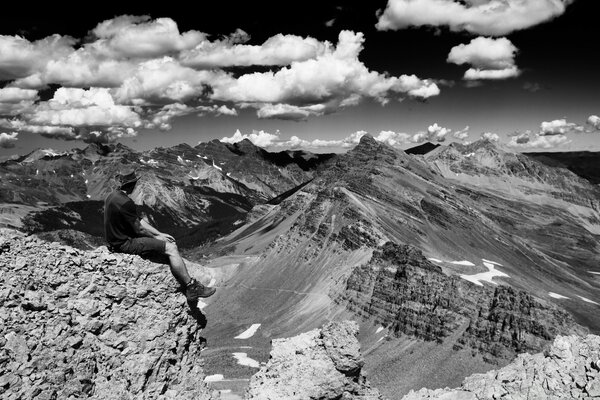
(120,214)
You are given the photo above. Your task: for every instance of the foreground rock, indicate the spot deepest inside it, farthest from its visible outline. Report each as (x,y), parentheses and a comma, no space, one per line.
(93,324)
(569,370)
(321,364)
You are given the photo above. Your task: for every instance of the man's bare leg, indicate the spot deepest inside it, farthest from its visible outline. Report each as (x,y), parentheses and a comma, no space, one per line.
(178,268)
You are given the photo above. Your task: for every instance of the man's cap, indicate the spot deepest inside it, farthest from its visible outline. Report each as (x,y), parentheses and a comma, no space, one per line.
(126,179)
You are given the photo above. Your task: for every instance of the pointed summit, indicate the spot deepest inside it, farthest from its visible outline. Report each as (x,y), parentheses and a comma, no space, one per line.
(244,147)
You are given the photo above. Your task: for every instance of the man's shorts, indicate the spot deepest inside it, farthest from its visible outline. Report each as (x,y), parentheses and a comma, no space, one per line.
(146,247)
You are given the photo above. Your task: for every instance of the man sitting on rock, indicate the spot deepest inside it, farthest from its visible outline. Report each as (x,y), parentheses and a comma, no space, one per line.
(125,232)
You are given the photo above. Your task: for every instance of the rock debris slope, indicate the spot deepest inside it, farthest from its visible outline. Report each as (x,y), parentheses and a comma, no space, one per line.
(320,364)
(570,369)
(93,324)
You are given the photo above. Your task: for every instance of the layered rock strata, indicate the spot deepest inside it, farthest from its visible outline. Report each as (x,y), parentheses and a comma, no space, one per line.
(401,290)
(321,364)
(79,324)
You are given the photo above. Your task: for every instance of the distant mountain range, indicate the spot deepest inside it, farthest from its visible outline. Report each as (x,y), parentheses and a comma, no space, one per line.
(453,258)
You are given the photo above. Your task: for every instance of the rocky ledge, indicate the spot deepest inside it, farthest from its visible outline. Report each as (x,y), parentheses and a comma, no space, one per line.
(570,369)
(321,364)
(93,324)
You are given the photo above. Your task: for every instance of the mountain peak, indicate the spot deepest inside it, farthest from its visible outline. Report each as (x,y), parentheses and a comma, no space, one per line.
(244,147)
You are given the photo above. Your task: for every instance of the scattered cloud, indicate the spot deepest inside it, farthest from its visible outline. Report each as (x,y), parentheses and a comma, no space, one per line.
(7,140)
(484,17)
(490,58)
(594,121)
(557,127)
(332,80)
(330,23)
(134,72)
(19,57)
(79,107)
(277,50)
(17,95)
(525,142)
(259,138)
(462,134)
(437,133)
(138,36)
(492,137)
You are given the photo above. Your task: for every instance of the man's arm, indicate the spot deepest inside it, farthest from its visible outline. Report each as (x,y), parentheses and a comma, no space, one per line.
(143,228)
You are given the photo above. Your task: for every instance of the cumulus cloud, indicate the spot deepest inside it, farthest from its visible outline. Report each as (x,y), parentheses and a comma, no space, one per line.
(594,121)
(15,101)
(259,138)
(525,142)
(134,72)
(7,140)
(437,133)
(164,80)
(277,50)
(139,36)
(492,137)
(484,17)
(19,57)
(79,107)
(557,127)
(16,95)
(334,79)
(490,58)
(462,134)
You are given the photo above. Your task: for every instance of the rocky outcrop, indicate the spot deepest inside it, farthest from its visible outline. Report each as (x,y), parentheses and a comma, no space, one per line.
(321,364)
(93,324)
(400,289)
(570,369)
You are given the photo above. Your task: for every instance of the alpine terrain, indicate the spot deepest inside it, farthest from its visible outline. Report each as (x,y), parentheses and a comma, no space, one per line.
(452,261)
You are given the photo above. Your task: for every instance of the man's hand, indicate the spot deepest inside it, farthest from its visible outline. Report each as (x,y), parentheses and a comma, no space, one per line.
(165,237)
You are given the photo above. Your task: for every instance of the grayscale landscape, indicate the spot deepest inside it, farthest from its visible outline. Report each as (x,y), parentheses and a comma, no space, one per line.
(359,249)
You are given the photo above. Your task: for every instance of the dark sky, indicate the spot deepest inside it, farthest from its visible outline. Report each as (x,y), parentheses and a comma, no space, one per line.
(559,62)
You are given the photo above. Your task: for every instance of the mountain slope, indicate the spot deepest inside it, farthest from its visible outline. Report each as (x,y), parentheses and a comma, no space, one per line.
(314,257)
(184,190)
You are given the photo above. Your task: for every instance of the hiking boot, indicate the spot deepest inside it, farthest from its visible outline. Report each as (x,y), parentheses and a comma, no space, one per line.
(194,290)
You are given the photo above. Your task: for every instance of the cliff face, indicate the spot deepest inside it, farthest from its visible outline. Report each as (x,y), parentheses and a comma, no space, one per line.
(321,364)
(568,370)
(93,324)
(401,290)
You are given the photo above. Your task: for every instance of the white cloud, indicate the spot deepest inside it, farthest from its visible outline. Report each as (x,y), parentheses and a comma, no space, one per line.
(277,50)
(79,107)
(7,140)
(524,142)
(462,134)
(16,95)
(491,58)
(594,121)
(259,138)
(15,101)
(63,132)
(492,137)
(557,127)
(290,112)
(19,57)
(475,73)
(353,139)
(138,36)
(485,17)
(332,80)
(437,133)
(164,80)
